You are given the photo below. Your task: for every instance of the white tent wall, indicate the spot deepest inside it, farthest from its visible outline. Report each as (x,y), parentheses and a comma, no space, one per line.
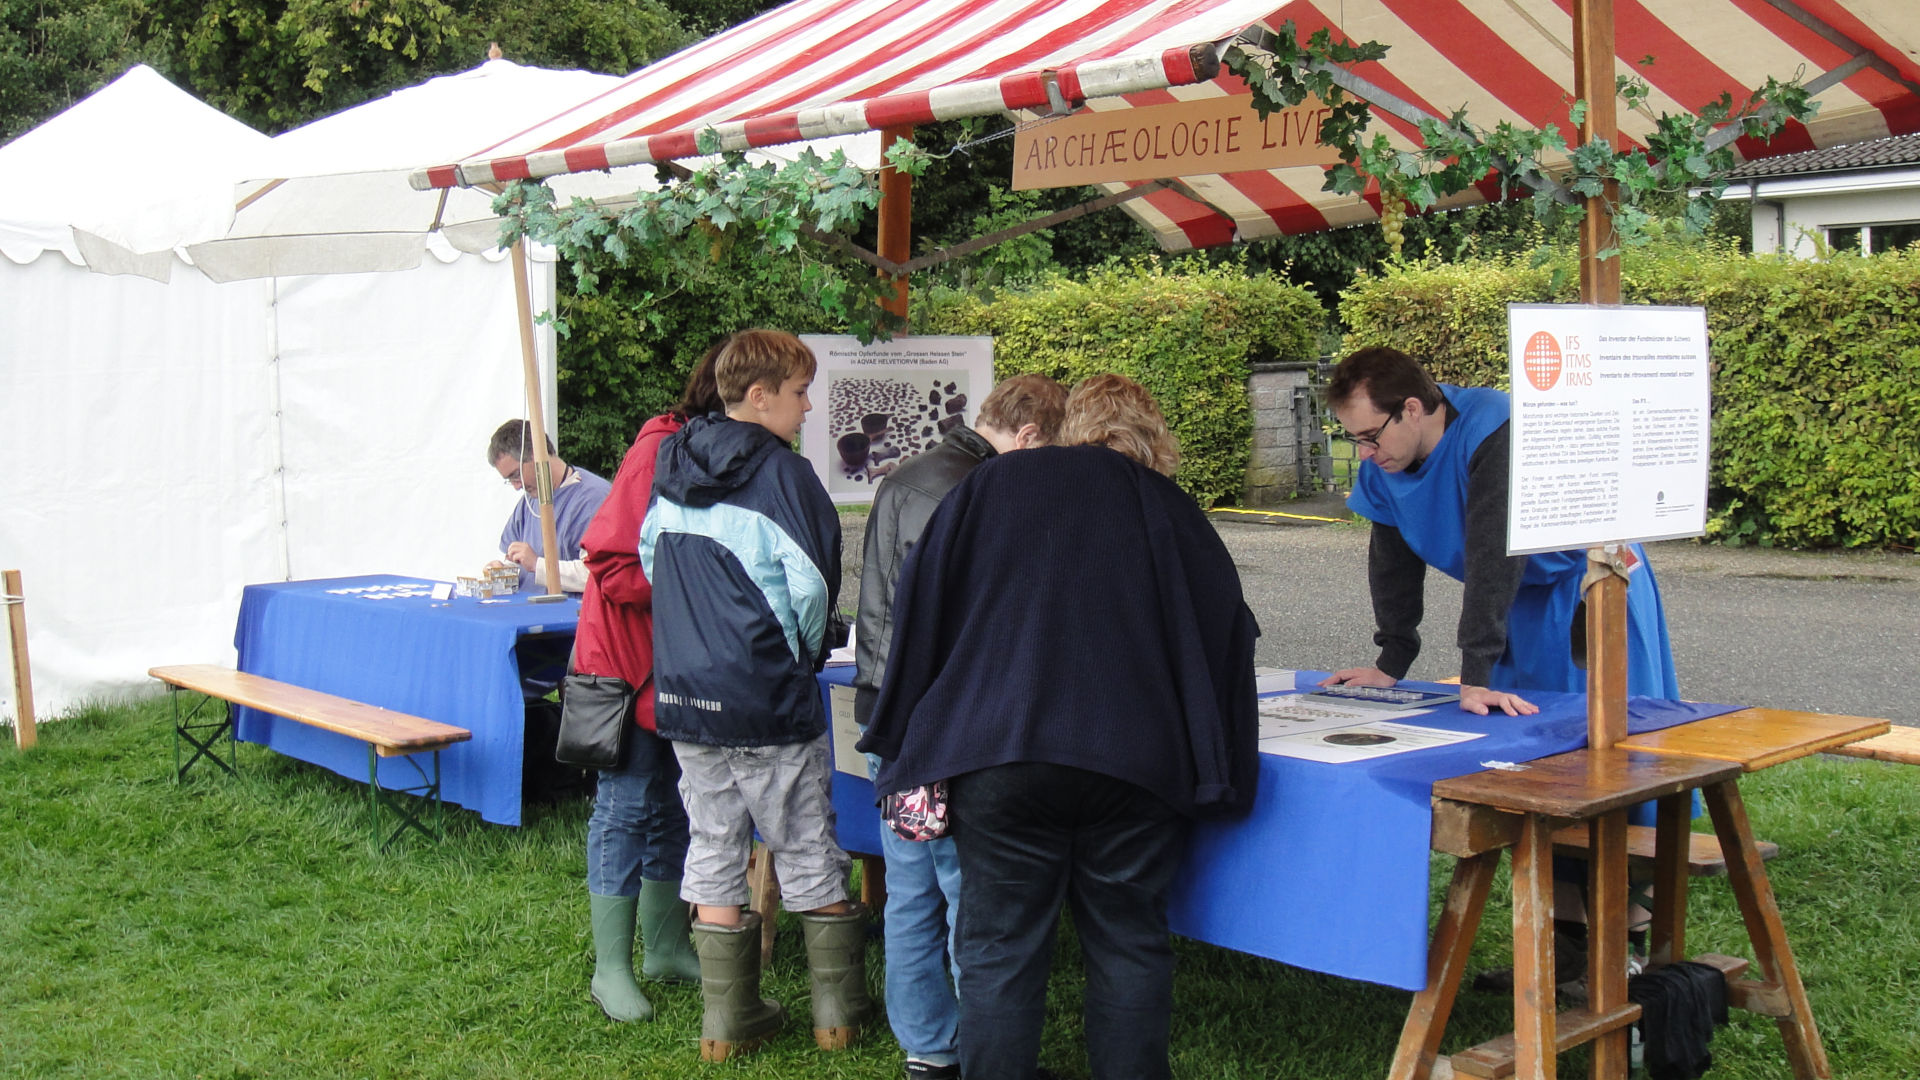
(147,424)
(385,454)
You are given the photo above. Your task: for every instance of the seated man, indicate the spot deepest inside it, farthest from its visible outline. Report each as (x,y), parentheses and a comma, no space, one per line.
(577,495)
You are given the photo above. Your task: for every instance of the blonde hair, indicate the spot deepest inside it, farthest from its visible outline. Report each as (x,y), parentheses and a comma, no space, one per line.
(1115,412)
(759,357)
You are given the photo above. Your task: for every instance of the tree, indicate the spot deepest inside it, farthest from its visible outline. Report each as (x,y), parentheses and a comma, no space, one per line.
(55,52)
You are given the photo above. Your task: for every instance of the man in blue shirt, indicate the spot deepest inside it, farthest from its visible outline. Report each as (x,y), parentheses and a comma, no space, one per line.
(1433,480)
(577,495)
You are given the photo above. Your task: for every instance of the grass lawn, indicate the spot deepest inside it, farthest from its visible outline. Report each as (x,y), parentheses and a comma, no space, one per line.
(226,929)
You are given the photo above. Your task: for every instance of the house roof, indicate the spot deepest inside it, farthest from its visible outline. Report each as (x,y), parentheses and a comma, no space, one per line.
(1900,150)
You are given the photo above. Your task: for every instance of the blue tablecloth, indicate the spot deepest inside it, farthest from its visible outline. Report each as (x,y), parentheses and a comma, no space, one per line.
(447,660)
(1330,869)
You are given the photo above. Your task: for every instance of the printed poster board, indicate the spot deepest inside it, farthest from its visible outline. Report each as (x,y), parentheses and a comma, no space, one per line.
(880,405)
(1611,418)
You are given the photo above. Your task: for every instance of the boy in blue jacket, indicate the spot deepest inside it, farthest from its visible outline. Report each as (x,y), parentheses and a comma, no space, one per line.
(742,545)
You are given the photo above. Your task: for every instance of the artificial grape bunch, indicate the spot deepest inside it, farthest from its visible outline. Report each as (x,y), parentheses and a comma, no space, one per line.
(1393,220)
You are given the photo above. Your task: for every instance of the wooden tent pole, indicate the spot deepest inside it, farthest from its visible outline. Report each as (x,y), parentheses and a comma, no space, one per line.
(1606,599)
(549,537)
(1593,72)
(895,239)
(15,599)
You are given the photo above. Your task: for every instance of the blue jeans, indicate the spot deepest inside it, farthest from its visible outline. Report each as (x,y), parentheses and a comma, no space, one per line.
(638,829)
(922,878)
(1033,837)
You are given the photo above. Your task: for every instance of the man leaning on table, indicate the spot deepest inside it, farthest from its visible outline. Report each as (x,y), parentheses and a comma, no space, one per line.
(1433,480)
(577,495)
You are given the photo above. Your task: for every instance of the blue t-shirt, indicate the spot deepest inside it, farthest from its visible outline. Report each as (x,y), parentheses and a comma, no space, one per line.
(1429,507)
(574,505)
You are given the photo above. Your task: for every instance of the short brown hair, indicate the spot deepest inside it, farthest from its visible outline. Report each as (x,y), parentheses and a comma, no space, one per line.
(1023,400)
(513,439)
(759,357)
(1115,412)
(1387,376)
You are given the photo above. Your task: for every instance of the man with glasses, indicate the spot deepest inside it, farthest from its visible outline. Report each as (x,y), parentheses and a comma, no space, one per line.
(577,495)
(1433,480)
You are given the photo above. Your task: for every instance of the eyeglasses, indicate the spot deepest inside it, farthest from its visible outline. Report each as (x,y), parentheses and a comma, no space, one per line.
(1370,440)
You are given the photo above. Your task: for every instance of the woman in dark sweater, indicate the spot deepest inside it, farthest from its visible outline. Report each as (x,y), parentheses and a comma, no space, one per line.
(1072,652)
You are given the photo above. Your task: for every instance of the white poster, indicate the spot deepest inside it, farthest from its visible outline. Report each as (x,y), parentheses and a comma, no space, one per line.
(877,406)
(1611,415)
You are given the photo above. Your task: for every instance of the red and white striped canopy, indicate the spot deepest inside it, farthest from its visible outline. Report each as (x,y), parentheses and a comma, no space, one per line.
(817,68)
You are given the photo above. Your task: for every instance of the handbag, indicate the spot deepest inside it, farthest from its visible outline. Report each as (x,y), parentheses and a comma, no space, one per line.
(596,720)
(918,814)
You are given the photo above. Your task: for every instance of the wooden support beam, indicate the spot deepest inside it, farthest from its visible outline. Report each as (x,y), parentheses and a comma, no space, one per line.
(543,468)
(25,734)
(1446,963)
(1761,912)
(895,239)
(1536,1046)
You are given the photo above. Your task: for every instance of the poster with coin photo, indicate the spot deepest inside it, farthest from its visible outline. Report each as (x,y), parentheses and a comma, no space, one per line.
(876,407)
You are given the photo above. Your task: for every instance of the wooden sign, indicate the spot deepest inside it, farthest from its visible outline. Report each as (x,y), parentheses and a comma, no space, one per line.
(1156,142)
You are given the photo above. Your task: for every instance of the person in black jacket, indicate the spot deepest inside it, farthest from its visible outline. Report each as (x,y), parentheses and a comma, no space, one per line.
(1022,412)
(1072,653)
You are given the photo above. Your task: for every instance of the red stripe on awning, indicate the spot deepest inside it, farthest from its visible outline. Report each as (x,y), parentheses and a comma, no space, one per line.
(1178,64)
(1068,80)
(587,158)
(1896,103)
(1203,225)
(900,110)
(740,50)
(1454,32)
(1290,211)
(1026,90)
(673,144)
(773,130)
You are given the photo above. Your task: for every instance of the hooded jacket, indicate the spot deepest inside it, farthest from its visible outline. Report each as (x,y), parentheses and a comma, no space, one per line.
(742,546)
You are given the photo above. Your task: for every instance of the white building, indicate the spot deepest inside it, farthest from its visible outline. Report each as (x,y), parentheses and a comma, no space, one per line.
(1860,197)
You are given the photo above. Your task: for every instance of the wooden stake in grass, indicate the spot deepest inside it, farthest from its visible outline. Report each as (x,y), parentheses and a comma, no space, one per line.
(14,597)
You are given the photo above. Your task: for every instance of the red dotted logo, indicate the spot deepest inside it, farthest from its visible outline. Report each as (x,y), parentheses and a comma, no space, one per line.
(1542,360)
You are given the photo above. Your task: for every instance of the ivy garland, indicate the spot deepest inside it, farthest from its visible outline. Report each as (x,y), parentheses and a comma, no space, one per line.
(1684,153)
(687,223)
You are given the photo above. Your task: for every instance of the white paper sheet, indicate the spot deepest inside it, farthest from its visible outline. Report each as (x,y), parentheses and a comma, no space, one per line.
(1362,742)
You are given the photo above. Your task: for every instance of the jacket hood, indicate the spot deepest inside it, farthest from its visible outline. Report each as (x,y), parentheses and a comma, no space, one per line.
(664,424)
(712,456)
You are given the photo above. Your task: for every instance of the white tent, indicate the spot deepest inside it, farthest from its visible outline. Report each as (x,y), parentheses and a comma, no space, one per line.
(173,442)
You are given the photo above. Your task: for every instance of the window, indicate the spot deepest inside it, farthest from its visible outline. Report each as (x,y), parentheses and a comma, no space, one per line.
(1872,239)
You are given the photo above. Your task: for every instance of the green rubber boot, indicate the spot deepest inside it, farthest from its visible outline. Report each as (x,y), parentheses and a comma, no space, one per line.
(613,987)
(837,967)
(734,1019)
(664,924)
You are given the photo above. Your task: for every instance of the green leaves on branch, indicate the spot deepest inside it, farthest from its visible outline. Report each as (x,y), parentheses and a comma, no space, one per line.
(730,206)
(1684,153)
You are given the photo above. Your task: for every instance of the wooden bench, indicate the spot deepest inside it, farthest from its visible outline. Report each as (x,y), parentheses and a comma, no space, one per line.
(386,733)
(1901,744)
(1704,857)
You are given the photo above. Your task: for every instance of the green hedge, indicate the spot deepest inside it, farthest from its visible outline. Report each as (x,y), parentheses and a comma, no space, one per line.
(1185,330)
(1816,372)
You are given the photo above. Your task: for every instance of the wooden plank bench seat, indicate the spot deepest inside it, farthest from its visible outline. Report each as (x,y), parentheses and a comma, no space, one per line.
(387,733)
(1704,857)
(1900,744)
